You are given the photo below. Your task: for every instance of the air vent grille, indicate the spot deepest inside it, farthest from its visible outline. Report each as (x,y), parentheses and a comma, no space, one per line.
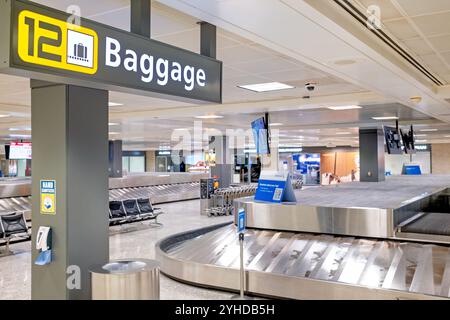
(362,18)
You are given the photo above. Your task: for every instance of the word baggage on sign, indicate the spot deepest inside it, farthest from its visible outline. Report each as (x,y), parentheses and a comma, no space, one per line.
(38,42)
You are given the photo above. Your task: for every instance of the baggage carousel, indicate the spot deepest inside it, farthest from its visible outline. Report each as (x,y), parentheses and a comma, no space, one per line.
(15,193)
(307,266)
(380,241)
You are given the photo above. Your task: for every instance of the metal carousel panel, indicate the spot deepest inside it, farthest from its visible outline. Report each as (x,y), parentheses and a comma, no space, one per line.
(308,266)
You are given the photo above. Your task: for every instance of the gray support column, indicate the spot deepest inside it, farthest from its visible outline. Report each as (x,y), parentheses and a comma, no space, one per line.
(70,141)
(371,155)
(224,160)
(115,159)
(208,36)
(141,17)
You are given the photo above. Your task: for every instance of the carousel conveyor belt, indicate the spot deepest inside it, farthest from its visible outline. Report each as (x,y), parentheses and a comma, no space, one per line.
(158,194)
(308,266)
(429,223)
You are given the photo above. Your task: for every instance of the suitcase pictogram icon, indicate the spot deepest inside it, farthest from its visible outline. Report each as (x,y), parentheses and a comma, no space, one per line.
(80,51)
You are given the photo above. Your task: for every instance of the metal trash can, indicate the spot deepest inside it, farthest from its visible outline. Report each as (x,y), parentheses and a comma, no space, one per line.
(128,279)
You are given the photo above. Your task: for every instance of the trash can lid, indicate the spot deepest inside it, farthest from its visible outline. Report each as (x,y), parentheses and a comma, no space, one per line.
(125,266)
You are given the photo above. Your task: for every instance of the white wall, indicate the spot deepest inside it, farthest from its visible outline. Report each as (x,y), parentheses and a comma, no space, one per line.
(394,162)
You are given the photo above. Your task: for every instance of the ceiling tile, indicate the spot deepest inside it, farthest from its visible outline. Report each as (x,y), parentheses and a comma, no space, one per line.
(441,43)
(293,75)
(434,62)
(388,11)
(232,73)
(266,65)
(321,81)
(243,53)
(418,46)
(420,7)
(189,40)
(246,79)
(433,24)
(446,57)
(161,26)
(119,18)
(401,29)
(235,37)
(88,7)
(226,42)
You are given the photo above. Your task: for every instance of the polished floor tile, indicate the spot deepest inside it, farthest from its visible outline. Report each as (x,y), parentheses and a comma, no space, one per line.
(129,241)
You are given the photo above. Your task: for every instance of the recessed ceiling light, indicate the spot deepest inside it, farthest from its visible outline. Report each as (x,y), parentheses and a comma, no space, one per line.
(113,124)
(421,135)
(212,116)
(421,141)
(447,136)
(114,133)
(339,108)
(428,130)
(4,115)
(385,118)
(20,136)
(114,104)
(276,124)
(265,87)
(19,129)
(181,129)
(343,133)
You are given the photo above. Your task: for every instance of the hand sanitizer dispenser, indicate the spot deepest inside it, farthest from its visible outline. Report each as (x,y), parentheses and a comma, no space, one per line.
(44,245)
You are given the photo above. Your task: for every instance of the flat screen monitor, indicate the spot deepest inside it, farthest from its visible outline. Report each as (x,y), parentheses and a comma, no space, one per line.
(261,136)
(7,151)
(408,141)
(393,140)
(20,151)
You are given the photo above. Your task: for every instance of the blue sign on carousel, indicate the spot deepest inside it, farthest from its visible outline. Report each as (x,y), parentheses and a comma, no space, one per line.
(275,188)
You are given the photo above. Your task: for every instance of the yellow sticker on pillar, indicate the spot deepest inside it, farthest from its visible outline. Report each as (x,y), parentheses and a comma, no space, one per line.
(48,196)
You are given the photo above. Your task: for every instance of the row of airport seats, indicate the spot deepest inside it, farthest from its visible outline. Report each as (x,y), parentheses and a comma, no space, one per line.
(12,226)
(131,210)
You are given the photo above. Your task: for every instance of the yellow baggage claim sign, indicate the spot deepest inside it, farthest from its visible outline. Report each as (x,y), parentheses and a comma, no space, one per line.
(44,45)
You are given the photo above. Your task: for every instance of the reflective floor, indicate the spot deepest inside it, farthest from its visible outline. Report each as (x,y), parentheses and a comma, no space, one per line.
(134,241)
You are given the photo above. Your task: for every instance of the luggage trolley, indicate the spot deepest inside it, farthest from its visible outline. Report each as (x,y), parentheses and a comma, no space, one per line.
(222,200)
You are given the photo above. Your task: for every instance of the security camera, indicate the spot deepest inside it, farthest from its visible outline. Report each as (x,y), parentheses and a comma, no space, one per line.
(310,86)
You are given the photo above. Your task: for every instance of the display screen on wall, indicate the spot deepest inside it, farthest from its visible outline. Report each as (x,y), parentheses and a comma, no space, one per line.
(20,150)
(408,141)
(393,140)
(260,135)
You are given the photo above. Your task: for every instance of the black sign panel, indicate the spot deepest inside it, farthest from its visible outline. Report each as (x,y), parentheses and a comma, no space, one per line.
(393,140)
(45,46)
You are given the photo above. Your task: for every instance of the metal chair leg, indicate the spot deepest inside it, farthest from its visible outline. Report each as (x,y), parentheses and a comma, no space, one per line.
(7,252)
(155,224)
